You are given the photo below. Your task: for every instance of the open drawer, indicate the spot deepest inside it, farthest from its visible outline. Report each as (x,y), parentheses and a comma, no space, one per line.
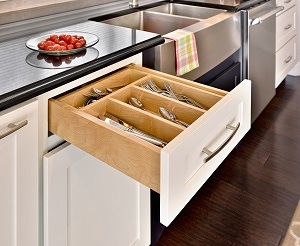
(178,169)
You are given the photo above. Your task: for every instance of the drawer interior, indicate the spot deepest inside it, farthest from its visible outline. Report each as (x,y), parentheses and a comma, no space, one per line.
(81,125)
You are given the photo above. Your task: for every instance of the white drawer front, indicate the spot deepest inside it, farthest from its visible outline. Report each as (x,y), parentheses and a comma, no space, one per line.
(285,60)
(286,4)
(183,170)
(285,27)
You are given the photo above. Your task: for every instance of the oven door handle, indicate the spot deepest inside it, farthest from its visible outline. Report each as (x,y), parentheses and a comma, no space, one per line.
(260,19)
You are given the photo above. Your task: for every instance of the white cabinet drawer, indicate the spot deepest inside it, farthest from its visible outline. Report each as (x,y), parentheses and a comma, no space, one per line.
(285,60)
(286,4)
(177,170)
(285,27)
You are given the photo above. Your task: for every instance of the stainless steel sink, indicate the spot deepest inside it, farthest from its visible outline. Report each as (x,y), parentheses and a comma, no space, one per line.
(187,10)
(217,33)
(152,22)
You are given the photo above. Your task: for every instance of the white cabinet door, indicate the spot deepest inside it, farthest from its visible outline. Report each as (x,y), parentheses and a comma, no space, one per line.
(19,176)
(86,202)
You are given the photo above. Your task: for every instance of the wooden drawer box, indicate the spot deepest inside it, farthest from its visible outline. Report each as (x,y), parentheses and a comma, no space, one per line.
(177,170)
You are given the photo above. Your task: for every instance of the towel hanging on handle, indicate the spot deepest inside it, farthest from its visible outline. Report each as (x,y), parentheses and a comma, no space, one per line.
(185,50)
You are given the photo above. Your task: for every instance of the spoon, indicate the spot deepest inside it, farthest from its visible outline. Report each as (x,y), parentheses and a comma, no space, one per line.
(113,89)
(99,92)
(167,114)
(136,103)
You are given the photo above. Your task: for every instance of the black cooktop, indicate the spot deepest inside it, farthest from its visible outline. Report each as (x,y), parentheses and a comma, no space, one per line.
(232,5)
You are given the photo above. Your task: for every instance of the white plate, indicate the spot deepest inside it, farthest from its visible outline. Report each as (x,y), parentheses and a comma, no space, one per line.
(90,38)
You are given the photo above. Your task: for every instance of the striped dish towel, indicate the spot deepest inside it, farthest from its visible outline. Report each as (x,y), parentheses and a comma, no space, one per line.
(186,50)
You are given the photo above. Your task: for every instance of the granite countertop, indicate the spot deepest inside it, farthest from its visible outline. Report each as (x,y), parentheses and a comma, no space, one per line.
(22,79)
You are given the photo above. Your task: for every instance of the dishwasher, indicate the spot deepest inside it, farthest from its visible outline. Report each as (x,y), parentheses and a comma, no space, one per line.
(259,41)
(258,22)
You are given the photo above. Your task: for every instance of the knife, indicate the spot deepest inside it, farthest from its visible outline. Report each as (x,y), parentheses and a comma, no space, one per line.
(138,133)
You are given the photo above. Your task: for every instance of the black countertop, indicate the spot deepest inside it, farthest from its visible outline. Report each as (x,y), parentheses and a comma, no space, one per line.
(20,81)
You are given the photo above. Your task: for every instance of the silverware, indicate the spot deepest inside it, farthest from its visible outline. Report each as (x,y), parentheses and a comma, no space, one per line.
(113,89)
(97,94)
(138,104)
(89,101)
(169,92)
(167,114)
(150,85)
(183,98)
(130,129)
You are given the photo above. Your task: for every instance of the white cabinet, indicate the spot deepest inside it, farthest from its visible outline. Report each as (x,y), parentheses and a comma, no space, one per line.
(285,39)
(89,203)
(19,202)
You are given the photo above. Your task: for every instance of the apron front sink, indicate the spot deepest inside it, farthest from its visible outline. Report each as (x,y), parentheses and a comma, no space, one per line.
(214,29)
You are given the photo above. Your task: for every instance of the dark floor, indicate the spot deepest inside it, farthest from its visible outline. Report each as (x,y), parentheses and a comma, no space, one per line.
(251,197)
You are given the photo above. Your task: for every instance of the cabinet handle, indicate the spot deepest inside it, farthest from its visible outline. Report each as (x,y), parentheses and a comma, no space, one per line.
(287,60)
(13,127)
(211,154)
(287,1)
(288,26)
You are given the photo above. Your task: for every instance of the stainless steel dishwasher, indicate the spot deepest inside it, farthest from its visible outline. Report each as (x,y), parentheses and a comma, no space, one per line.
(259,36)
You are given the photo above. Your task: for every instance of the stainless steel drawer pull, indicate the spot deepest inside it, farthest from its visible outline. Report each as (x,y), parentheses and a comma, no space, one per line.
(287,60)
(13,127)
(288,27)
(211,154)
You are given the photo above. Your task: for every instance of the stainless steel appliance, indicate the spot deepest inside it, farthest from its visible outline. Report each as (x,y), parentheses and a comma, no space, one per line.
(259,37)
(258,45)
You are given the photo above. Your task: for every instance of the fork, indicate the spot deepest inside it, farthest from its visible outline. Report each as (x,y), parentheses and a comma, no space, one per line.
(150,85)
(183,98)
